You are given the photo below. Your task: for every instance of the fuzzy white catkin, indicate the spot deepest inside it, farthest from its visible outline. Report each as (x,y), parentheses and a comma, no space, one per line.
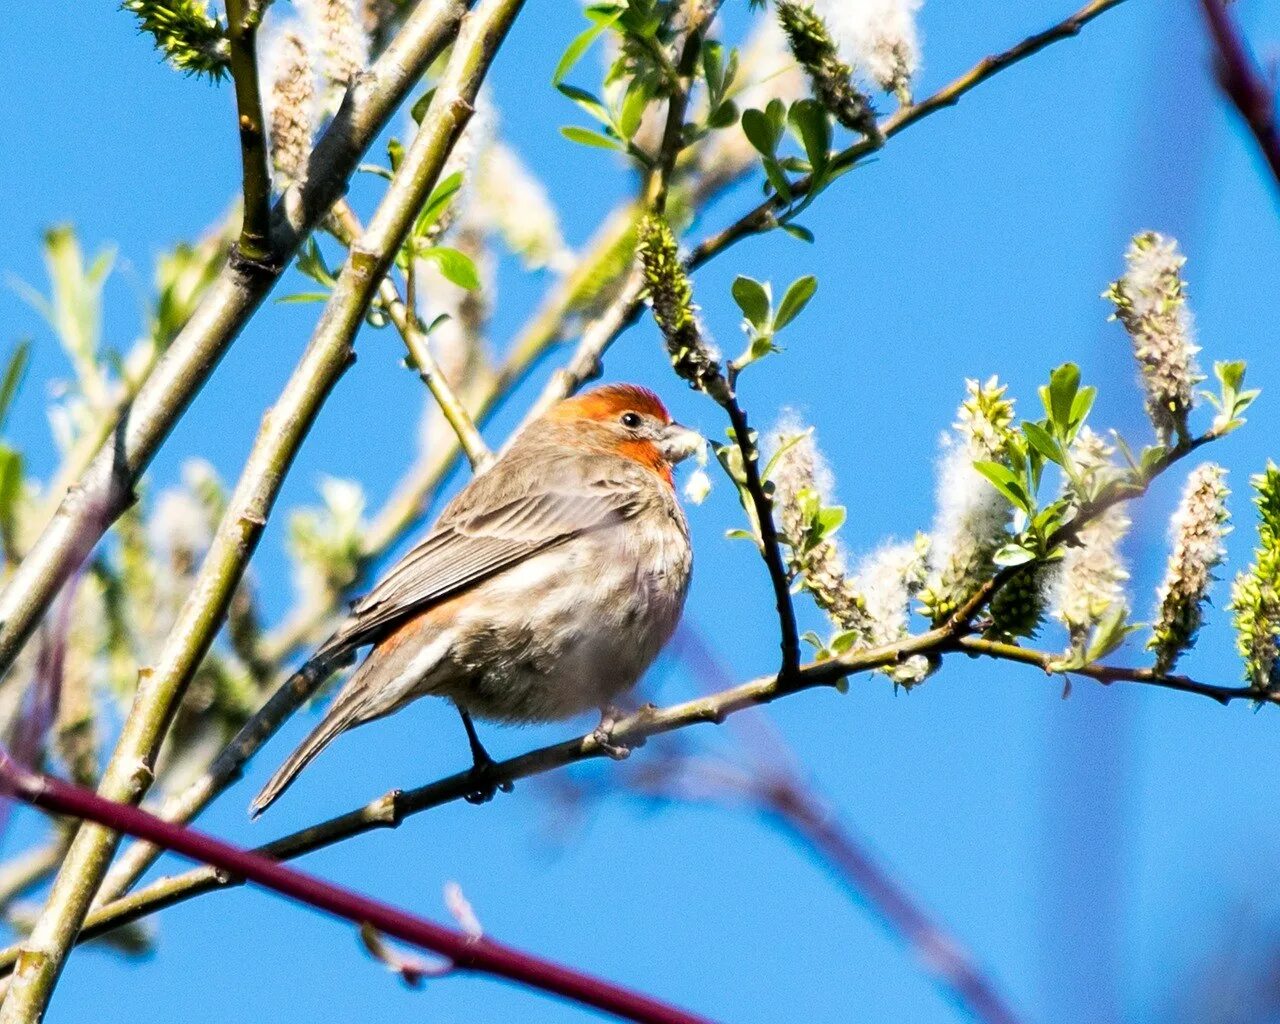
(1196,532)
(338,42)
(1092,580)
(886,580)
(290,103)
(878,38)
(1151,303)
(179,526)
(972,518)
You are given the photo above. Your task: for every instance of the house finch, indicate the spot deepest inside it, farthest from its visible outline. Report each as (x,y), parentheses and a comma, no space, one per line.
(545,589)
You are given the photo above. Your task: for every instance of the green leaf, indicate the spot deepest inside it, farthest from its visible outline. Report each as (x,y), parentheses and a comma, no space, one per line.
(778,179)
(1013,554)
(753,299)
(297,297)
(14,375)
(586,137)
(760,132)
(797,297)
(419,109)
(829,520)
(1064,382)
(581,43)
(455,265)
(1043,442)
(798,231)
(813,125)
(437,203)
(1007,483)
(11,473)
(1230,374)
(591,104)
(634,104)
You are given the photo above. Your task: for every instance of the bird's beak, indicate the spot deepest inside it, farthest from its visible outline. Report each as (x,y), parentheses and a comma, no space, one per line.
(677,443)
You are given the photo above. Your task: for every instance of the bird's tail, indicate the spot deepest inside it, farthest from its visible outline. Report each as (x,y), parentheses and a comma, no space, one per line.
(341,716)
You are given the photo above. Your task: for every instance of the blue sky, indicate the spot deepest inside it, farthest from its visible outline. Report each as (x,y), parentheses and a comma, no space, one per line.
(1092,852)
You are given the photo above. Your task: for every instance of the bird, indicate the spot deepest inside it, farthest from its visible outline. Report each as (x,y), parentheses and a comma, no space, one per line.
(544,590)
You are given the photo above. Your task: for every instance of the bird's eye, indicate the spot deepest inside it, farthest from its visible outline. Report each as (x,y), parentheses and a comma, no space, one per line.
(631,420)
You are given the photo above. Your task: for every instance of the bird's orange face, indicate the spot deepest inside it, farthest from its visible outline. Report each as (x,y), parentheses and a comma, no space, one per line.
(631,421)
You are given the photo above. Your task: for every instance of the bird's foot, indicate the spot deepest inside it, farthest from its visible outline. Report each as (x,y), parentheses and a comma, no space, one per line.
(486,787)
(603,734)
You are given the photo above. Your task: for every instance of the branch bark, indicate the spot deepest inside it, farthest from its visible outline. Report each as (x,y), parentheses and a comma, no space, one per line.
(129,771)
(243,18)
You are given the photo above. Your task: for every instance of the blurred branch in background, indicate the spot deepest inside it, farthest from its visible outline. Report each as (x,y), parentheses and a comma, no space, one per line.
(1251,90)
(464,951)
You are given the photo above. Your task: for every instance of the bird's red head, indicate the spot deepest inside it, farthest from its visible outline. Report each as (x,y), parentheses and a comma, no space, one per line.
(630,421)
(608,403)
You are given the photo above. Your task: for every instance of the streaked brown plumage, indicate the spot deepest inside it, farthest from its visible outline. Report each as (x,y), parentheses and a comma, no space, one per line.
(545,589)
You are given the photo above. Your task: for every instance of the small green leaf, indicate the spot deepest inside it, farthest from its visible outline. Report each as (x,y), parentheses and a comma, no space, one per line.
(1043,442)
(829,520)
(14,375)
(760,132)
(591,104)
(455,265)
(419,109)
(798,231)
(1007,483)
(586,137)
(813,125)
(1064,382)
(753,299)
(581,44)
(634,104)
(439,200)
(1013,554)
(303,297)
(797,297)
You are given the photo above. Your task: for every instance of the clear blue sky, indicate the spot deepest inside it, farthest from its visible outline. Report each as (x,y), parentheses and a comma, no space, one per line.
(1094,852)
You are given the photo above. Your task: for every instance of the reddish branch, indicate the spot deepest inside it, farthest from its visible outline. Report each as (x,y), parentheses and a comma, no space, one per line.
(1243,81)
(464,952)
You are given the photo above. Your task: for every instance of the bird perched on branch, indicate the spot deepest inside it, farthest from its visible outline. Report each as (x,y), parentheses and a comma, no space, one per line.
(545,589)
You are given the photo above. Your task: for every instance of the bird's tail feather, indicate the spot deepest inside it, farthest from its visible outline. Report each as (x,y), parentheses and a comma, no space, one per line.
(343,715)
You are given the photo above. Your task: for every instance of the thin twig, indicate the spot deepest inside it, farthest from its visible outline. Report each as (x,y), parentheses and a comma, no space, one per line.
(105,489)
(1048,661)
(419,347)
(129,771)
(243,18)
(770,543)
(1243,81)
(763,217)
(465,952)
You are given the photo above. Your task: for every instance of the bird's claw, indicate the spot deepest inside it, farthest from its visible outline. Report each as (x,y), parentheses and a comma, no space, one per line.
(486,788)
(603,736)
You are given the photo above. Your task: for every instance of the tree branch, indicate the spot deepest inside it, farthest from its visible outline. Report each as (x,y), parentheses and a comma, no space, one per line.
(465,952)
(243,18)
(1243,81)
(129,771)
(105,489)
(1107,674)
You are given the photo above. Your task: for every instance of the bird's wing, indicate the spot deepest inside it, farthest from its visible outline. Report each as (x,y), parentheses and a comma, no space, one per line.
(482,532)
